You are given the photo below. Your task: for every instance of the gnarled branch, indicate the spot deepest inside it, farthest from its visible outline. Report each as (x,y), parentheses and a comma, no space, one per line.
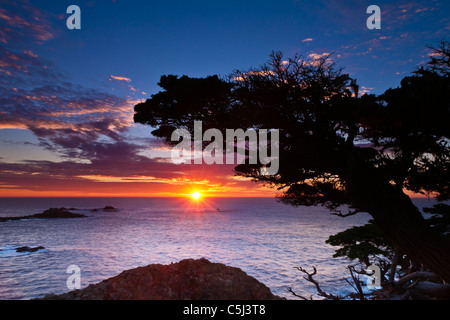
(310,278)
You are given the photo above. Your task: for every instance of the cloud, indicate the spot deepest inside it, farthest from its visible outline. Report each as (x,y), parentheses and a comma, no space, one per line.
(317,56)
(30,53)
(64,109)
(365,90)
(244,75)
(20,18)
(308,40)
(35,95)
(119,78)
(116,169)
(125,82)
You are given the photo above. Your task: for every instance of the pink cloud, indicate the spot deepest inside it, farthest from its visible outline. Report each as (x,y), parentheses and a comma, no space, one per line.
(27,20)
(119,78)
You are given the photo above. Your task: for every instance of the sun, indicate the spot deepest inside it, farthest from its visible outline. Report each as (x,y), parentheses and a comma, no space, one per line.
(196,195)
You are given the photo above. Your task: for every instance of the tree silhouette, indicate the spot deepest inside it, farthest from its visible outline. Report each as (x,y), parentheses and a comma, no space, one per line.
(336,147)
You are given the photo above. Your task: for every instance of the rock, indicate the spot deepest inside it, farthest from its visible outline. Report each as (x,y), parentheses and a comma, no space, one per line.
(52,213)
(186,280)
(5,219)
(105,209)
(28,249)
(109,209)
(11,219)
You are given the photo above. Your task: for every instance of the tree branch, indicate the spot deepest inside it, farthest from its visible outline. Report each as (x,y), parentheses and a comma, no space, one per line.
(299,296)
(356,281)
(419,275)
(344,215)
(310,278)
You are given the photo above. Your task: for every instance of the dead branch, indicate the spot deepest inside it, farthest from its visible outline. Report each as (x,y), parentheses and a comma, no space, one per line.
(299,296)
(310,278)
(357,284)
(414,286)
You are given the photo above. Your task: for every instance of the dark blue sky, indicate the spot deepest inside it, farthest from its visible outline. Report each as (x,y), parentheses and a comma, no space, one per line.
(144,39)
(67,96)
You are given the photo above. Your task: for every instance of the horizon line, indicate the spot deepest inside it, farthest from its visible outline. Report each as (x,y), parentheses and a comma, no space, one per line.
(171,197)
(184,196)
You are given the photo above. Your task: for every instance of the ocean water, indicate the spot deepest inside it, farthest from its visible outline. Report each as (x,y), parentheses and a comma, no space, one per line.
(264,238)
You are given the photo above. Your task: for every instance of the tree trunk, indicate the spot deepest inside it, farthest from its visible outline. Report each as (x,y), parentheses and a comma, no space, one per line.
(401,221)
(394,265)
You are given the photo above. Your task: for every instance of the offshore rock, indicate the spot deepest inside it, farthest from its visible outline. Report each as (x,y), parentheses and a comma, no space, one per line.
(55,213)
(28,249)
(186,280)
(105,209)
(52,213)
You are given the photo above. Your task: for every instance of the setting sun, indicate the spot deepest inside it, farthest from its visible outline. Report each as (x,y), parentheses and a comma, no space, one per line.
(196,195)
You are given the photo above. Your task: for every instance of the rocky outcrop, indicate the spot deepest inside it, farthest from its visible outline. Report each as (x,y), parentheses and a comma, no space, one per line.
(106,209)
(29,249)
(186,280)
(55,213)
(52,213)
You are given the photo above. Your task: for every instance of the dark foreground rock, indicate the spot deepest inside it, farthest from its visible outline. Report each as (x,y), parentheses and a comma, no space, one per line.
(186,280)
(52,213)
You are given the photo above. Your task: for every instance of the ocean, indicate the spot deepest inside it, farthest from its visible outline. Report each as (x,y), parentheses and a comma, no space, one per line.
(264,238)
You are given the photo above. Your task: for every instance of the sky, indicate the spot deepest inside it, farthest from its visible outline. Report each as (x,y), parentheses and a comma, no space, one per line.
(67,96)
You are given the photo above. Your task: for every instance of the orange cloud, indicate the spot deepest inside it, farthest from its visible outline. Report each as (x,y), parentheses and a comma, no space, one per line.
(365,90)
(119,78)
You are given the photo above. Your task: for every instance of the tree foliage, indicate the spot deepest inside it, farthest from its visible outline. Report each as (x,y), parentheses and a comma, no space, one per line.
(361,243)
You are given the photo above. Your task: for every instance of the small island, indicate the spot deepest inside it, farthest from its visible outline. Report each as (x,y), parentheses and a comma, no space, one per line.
(105,209)
(52,213)
(29,249)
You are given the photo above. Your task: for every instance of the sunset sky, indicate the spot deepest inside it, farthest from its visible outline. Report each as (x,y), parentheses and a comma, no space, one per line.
(67,96)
